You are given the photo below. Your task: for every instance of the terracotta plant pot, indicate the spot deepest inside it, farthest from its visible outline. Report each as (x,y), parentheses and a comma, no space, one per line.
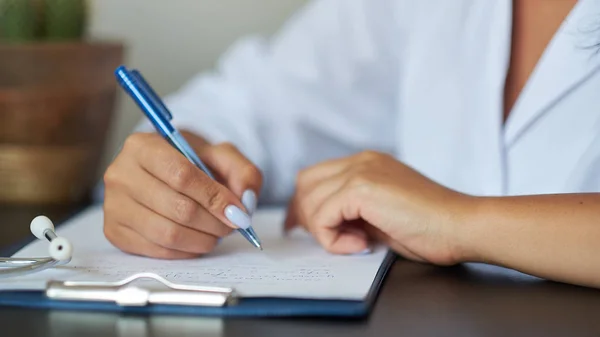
(56,105)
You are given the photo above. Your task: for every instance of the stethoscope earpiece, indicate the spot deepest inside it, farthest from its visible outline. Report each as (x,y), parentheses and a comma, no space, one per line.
(60,251)
(60,248)
(39,225)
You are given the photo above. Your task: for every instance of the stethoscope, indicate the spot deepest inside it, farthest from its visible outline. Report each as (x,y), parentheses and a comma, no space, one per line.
(60,251)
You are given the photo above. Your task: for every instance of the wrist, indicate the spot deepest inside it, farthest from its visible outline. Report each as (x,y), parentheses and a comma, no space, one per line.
(469,216)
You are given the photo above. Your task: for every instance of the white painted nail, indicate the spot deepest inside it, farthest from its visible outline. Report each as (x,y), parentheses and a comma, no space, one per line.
(249,201)
(237,216)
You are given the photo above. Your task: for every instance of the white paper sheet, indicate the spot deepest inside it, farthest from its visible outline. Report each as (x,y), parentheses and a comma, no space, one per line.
(292,266)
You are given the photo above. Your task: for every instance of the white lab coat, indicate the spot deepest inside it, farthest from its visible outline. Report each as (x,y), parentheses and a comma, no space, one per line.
(422,80)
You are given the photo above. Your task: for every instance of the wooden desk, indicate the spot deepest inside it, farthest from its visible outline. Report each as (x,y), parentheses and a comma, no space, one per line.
(416,300)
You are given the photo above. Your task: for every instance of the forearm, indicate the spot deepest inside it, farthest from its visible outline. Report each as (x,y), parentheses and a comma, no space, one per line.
(555,237)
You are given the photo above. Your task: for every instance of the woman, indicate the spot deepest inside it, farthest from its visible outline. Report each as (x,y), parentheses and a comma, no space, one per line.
(453,131)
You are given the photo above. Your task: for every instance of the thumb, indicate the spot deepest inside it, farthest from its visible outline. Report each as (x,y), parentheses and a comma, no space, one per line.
(352,238)
(338,226)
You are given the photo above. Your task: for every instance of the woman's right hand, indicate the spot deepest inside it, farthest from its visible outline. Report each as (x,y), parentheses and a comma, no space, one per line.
(158,204)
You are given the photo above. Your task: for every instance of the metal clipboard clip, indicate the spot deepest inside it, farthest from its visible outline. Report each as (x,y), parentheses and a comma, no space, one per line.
(124,293)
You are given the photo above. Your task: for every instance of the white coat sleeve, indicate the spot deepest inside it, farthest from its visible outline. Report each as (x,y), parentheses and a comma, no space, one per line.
(322,88)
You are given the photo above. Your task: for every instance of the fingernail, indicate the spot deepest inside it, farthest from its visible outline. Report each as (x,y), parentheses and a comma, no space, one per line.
(367,251)
(249,201)
(237,216)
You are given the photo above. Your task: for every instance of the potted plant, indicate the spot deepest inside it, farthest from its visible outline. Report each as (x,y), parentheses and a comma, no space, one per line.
(57,96)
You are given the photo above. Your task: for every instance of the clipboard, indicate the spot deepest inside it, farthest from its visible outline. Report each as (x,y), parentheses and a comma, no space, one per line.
(124,296)
(176,299)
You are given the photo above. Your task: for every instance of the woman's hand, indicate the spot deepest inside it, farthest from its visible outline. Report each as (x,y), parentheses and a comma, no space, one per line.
(160,205)
(346,202)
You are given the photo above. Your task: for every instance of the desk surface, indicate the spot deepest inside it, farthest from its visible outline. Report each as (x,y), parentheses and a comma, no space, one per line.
(416,300)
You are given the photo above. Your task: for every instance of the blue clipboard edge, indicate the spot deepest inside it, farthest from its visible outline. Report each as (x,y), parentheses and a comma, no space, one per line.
(247,307)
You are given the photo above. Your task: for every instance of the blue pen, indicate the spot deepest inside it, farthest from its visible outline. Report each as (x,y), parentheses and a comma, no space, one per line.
(142,93)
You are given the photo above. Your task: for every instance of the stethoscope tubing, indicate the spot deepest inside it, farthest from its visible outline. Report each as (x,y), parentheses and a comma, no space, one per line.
(12,267)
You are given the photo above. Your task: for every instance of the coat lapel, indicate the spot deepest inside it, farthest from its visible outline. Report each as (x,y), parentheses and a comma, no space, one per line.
(571,57)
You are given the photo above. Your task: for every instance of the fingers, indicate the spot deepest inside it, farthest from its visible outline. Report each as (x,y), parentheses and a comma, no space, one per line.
(310,201)
(179,208)
(131,242)
(327,224)
(163,162)
(159,204)
(307,200)
(240,175)
(307,180)
(153,228)
(327,212)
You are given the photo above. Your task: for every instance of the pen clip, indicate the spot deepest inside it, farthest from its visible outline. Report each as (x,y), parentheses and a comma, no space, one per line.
(151,93)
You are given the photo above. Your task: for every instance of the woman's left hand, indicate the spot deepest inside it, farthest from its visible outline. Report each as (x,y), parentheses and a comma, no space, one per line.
(345,203)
